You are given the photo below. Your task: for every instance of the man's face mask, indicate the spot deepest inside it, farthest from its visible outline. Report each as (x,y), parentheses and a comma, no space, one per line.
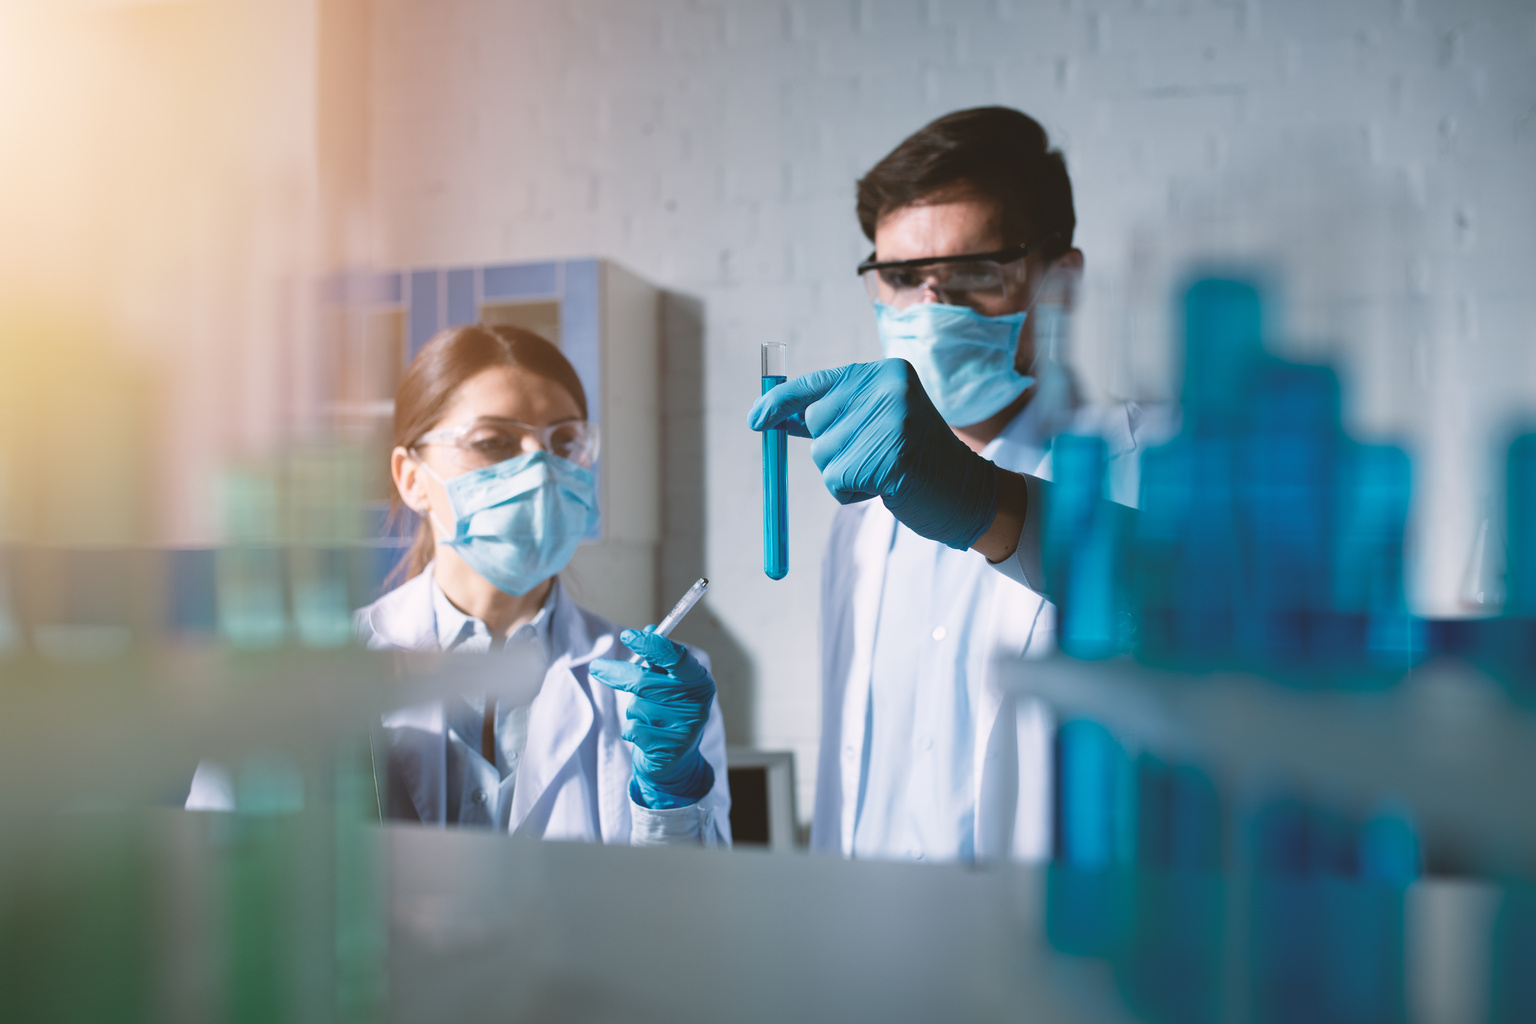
(965,360)
(965,345)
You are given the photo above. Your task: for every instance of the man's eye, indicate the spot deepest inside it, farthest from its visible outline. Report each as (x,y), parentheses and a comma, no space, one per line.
(901,279)
(973,279)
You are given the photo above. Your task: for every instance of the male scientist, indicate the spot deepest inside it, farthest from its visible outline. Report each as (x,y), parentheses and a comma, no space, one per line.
(973,277)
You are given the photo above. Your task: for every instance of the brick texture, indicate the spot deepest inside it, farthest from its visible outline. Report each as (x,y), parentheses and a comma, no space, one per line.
(1380,155)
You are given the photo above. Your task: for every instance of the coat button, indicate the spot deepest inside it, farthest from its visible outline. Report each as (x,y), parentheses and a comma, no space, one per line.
(939,632)
(478,796)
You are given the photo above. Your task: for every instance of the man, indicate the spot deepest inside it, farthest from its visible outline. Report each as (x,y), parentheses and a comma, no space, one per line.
(923,757)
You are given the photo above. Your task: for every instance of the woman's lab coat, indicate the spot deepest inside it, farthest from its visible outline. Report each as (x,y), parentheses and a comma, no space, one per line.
(1012,753)
(558,793)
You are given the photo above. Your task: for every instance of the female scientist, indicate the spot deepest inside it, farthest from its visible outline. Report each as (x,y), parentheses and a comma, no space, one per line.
(494,452)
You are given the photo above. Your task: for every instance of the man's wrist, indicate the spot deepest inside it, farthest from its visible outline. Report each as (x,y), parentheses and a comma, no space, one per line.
(1000,540)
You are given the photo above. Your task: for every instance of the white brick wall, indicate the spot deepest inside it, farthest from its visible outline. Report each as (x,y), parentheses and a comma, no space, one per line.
(1380,153)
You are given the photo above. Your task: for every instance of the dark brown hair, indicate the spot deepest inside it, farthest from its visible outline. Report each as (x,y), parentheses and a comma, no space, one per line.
(435,376)
(997,153)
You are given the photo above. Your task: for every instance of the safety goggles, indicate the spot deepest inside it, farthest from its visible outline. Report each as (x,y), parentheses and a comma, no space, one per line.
(490,440)
(981,280)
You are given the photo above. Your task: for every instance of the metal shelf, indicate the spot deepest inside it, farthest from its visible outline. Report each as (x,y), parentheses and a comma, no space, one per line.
(1446,740)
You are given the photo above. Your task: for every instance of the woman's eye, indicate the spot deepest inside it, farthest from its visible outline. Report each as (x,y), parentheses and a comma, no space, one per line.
(494,445)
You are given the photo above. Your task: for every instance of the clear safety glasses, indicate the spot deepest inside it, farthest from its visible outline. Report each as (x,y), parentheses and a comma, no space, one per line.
(983,281)
(488,441)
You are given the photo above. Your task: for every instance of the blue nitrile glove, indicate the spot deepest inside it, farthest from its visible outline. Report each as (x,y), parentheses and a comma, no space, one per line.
(672,697)
(875,432)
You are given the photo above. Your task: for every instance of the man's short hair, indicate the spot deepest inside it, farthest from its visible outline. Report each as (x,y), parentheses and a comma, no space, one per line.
(995,152)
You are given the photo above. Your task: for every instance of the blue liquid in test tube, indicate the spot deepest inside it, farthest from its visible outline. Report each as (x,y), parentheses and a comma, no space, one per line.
(775,453)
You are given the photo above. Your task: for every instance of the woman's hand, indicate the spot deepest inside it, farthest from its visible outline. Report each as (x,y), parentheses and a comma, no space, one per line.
(673,693)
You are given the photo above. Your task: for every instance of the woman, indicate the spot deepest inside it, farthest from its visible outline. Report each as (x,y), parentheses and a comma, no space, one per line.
(493,450)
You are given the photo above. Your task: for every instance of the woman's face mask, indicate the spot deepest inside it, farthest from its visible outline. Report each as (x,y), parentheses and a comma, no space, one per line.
(518,522)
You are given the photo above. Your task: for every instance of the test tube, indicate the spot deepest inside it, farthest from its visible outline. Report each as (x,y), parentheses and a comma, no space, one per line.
(775,455)
(683,607)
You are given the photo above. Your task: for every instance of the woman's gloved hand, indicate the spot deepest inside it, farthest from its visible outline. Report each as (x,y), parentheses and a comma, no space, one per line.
(875,432)
(673,693)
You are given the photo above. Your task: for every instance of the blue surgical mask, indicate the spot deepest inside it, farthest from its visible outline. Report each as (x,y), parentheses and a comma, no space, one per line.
(517,523)
(965,360)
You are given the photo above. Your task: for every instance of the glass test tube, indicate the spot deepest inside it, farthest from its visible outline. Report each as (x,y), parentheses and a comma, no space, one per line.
(775,454)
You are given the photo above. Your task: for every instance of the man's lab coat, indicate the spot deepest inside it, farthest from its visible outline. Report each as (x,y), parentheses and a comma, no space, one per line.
(1012,754)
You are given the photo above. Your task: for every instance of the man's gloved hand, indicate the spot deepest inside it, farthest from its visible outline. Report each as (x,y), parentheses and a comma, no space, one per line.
(875,432)
(672,697)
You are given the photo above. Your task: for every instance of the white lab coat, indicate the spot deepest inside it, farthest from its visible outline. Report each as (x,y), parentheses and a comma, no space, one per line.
(1012,755)
(555,794)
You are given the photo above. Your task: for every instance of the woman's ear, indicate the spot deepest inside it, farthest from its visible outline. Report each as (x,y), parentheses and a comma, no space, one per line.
(410,481)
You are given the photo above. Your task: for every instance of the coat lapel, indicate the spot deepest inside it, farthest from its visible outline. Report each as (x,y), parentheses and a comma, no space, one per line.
(414,740)
(415,745)
(561,717)
(402,619)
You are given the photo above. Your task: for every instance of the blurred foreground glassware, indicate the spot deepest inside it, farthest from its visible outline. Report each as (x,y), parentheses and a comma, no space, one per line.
(1327,914)
(1171,967)
(252,612)
(1087,901)
(1266,540)
(324,530)
(1084,544)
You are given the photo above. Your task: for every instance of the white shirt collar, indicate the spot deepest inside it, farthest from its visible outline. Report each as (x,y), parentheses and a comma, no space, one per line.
(1025,441)
(458,631)
(1022,444)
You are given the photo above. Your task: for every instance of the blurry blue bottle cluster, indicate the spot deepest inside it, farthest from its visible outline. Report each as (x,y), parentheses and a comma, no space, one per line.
(1142,878)
(1327,910)
(1267,541)
(1137,873)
